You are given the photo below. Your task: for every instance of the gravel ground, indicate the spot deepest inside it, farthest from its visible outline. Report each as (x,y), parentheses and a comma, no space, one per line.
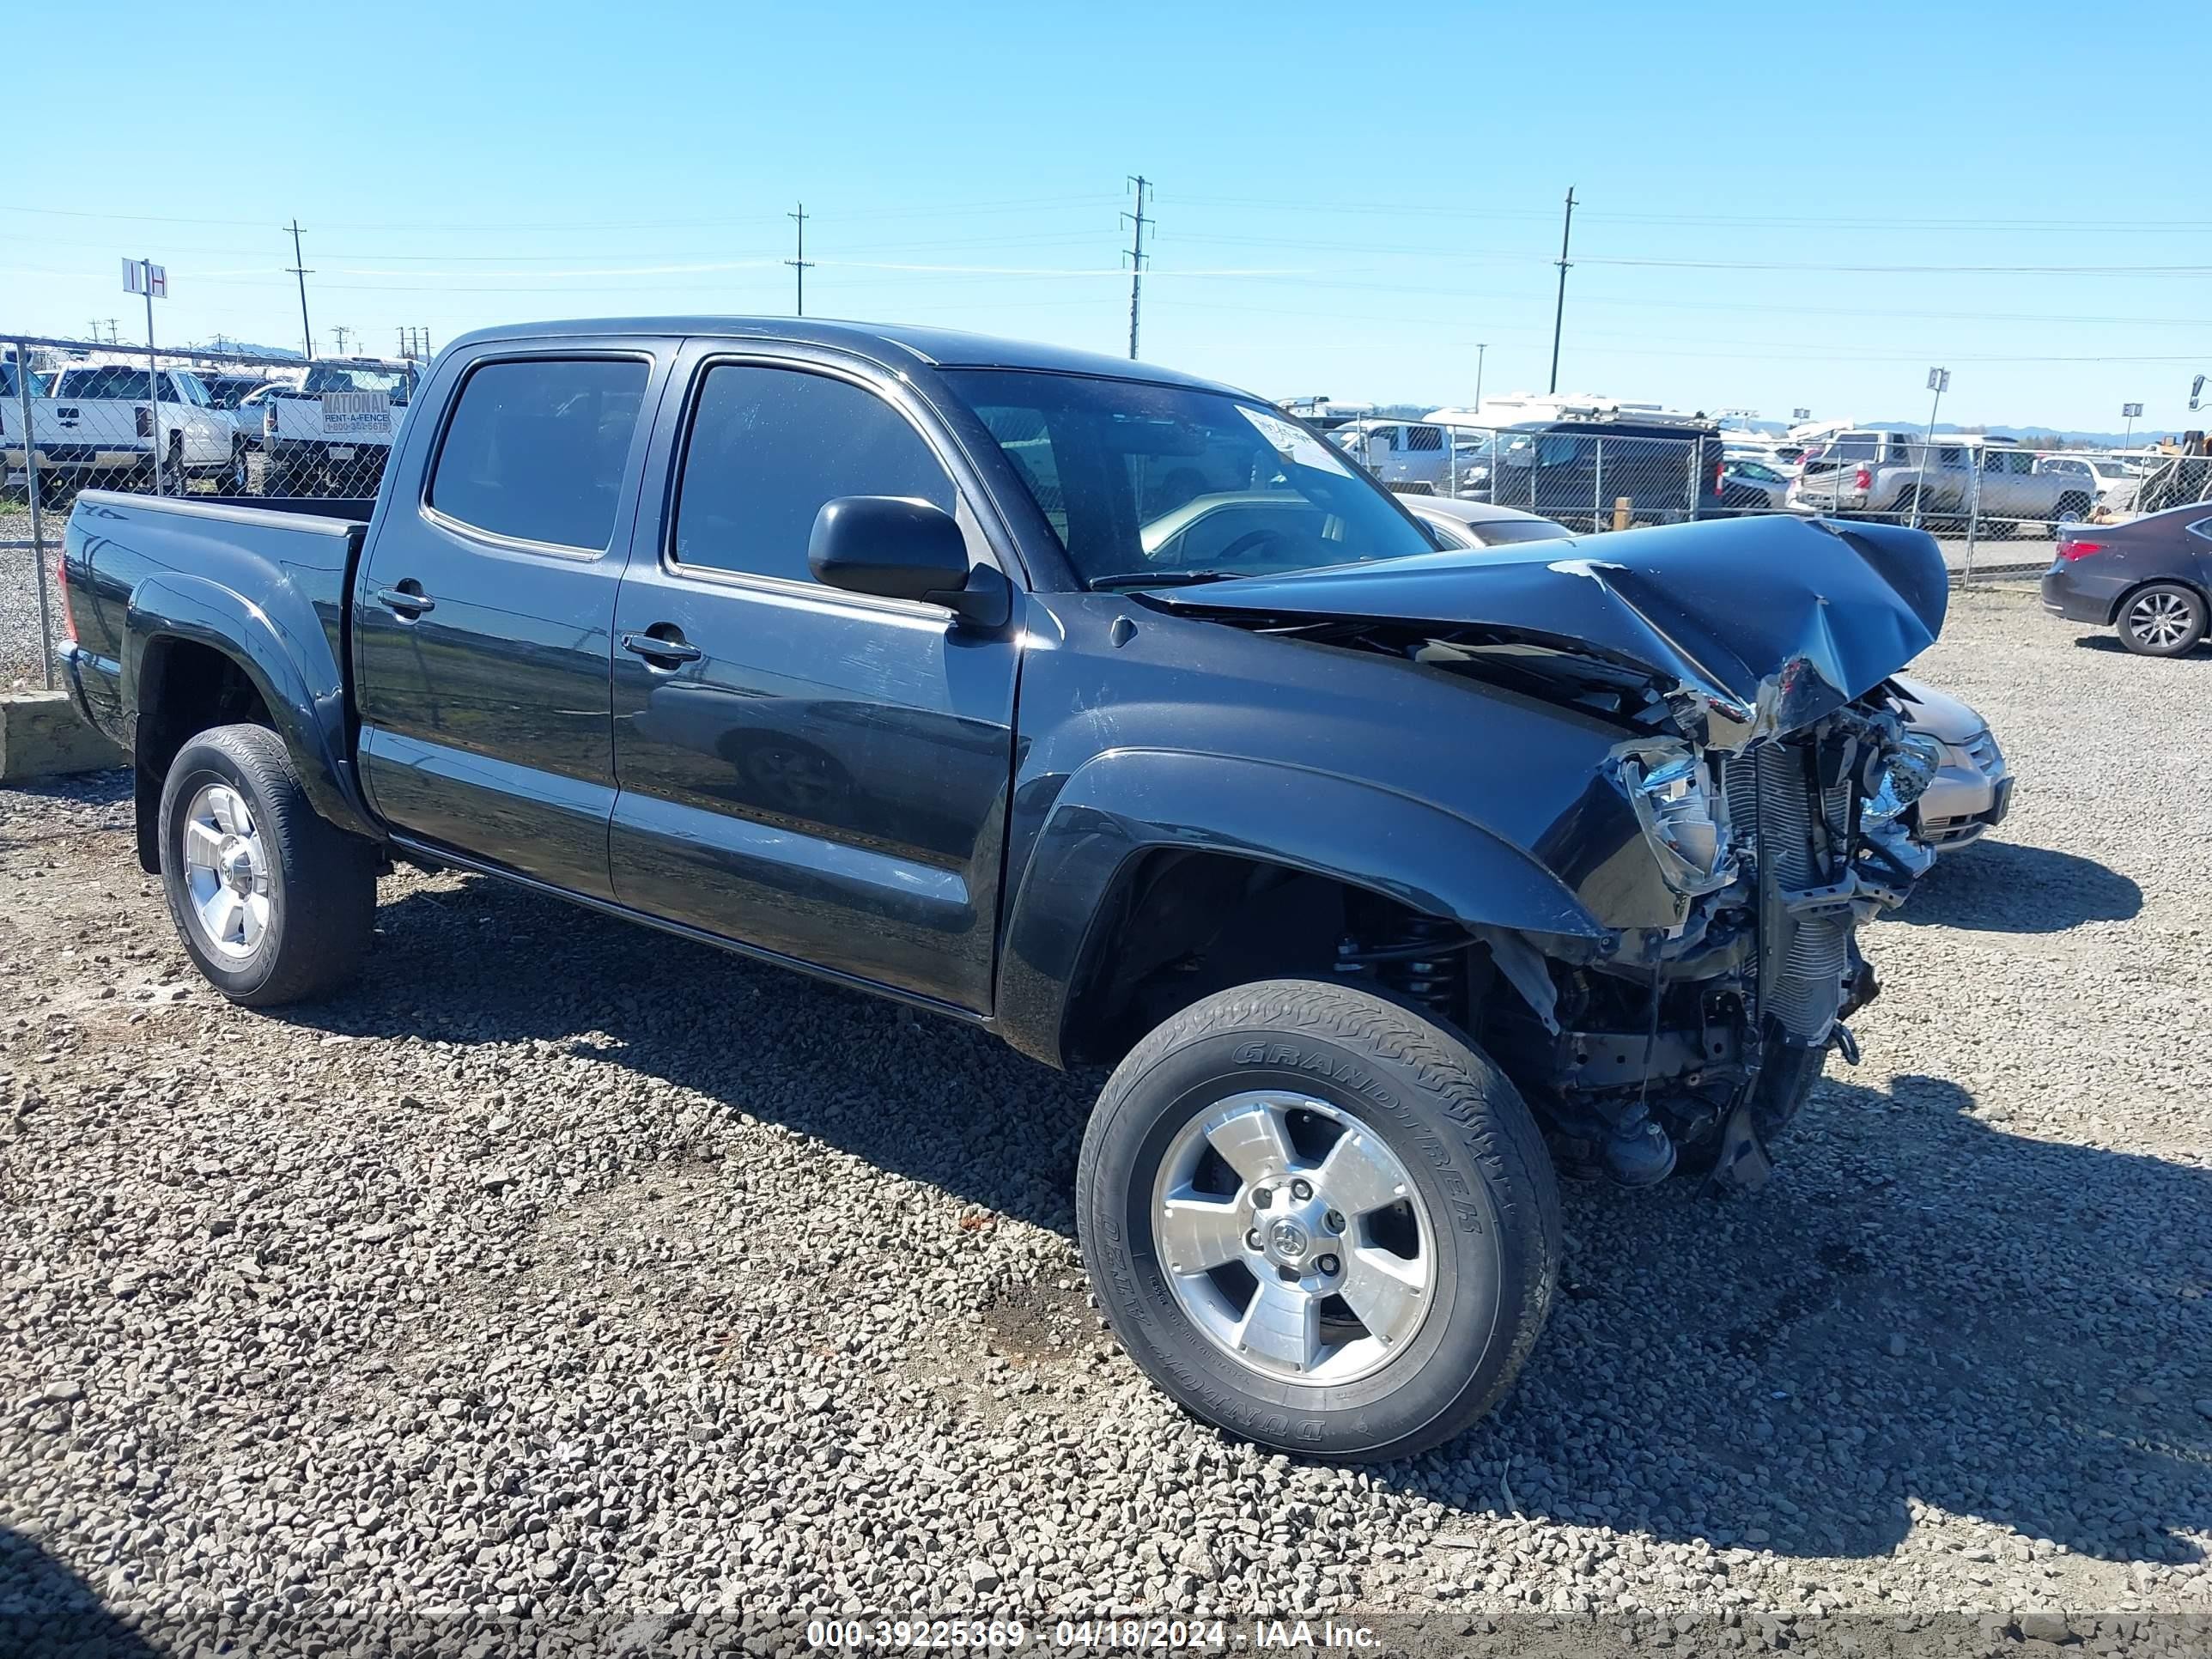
(563,1279)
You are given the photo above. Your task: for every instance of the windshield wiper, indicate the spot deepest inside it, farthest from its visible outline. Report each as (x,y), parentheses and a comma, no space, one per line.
(1164,578)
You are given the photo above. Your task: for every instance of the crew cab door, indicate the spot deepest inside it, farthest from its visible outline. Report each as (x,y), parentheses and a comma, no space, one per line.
(812,773)
(484,608)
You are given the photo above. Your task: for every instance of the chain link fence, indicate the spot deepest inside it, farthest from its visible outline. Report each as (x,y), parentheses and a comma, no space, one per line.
(1593,475)
(77,414)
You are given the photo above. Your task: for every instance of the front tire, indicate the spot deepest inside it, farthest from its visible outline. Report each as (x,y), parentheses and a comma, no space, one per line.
(273,904)
(1318,1221)
(2163,620)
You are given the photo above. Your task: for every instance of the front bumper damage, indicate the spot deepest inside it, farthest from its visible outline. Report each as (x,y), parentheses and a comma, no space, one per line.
(1747,659)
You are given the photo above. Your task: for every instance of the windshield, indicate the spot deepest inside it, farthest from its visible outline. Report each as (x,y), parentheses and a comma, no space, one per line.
(328,377)
(1140,480)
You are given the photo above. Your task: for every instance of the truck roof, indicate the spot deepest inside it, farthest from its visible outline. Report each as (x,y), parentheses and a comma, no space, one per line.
(893,345)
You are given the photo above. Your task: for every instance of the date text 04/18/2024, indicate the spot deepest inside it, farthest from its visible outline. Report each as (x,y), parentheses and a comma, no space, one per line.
(1214,1635)
(1128,1635)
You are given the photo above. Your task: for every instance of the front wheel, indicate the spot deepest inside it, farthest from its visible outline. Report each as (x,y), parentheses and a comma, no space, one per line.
(1319,1221)
(273,904)
(2163,620)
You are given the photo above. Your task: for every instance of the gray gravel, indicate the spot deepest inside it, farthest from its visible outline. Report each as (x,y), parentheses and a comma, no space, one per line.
(562,1277)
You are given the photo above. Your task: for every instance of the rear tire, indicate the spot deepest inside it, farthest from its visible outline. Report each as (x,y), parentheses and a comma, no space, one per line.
(2163,620)
(273,904)
(1392,1301)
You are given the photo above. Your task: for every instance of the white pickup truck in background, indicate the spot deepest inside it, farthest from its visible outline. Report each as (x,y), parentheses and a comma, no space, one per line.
(331,434)
(97,426)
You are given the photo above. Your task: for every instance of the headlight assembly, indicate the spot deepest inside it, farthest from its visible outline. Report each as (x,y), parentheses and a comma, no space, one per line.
(1911,768)
(1684,818)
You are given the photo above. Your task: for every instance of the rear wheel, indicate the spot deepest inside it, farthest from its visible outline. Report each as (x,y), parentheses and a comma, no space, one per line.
(273,904)
(174,481)
(2072,508)
(2163,620)
(1319,1221)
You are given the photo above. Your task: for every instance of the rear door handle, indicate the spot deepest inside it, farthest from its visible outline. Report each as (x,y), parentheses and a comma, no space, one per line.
(664,652)
(403,603)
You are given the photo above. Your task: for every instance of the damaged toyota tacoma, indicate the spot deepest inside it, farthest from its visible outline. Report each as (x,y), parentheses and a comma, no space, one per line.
(1108,710)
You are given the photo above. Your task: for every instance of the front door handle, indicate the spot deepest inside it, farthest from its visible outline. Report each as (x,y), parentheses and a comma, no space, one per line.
(406,601)
(662,652)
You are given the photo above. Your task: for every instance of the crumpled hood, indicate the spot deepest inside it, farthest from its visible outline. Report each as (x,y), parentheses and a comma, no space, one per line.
(1749,627)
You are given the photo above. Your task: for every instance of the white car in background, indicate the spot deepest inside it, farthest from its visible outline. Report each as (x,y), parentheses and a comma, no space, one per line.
(333,433)
(99,424)
(2109,476)
(1415,458)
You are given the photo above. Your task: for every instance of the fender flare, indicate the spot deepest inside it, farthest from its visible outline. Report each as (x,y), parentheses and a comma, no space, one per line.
(1124,803)
(310,719)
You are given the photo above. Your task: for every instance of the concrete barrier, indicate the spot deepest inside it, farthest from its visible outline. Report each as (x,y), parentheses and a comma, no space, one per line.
(42,734)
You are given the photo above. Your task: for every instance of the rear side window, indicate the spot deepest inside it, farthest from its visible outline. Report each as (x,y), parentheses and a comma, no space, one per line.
(770,445)
(108,380)
(1423,438)
(535,450)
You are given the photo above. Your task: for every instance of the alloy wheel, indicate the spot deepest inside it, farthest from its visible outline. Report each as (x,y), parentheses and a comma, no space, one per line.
(1294,1238)
(227,872)
(2161,620)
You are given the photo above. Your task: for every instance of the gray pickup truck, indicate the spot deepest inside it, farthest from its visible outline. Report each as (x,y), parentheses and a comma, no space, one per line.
(1388,878)
(1898,475)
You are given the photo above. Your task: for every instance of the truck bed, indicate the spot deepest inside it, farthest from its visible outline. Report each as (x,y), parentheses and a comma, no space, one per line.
(289,560)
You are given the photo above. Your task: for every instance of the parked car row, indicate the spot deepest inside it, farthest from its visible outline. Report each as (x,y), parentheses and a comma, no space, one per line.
(325,429)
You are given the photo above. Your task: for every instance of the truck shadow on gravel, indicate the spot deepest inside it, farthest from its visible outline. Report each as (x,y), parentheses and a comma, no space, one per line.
(49,1610)
(1921,1305)
(2006,887)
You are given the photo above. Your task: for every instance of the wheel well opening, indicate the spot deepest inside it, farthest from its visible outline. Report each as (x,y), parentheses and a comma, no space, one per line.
(185,687)
(1180,926)
(2121,604)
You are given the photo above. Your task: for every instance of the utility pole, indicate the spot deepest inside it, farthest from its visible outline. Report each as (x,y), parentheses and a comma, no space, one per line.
(342,330)
(800,265)
(1481,352)
(1559,313)
(307,334)
(404,351)
(1135,253)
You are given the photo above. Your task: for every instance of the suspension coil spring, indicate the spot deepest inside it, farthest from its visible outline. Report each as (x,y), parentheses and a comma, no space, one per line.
(1421,958)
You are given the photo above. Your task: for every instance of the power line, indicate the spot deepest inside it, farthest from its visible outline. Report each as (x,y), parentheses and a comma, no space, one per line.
(802,264)
(1135,254)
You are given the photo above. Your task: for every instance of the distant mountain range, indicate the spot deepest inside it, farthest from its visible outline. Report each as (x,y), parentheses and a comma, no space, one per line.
(2047,436)
(246,348)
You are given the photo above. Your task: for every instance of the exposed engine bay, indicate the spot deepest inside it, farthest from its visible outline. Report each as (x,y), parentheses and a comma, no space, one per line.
(1692,1047)
(1769,767)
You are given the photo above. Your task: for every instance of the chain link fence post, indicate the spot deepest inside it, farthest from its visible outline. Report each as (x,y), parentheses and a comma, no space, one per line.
(31,491)
(1977,460)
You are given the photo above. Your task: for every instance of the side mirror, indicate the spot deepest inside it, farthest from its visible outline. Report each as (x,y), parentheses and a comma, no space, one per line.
(892,546)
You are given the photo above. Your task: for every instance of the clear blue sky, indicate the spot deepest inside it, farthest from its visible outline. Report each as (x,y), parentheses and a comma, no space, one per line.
(1349,197)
